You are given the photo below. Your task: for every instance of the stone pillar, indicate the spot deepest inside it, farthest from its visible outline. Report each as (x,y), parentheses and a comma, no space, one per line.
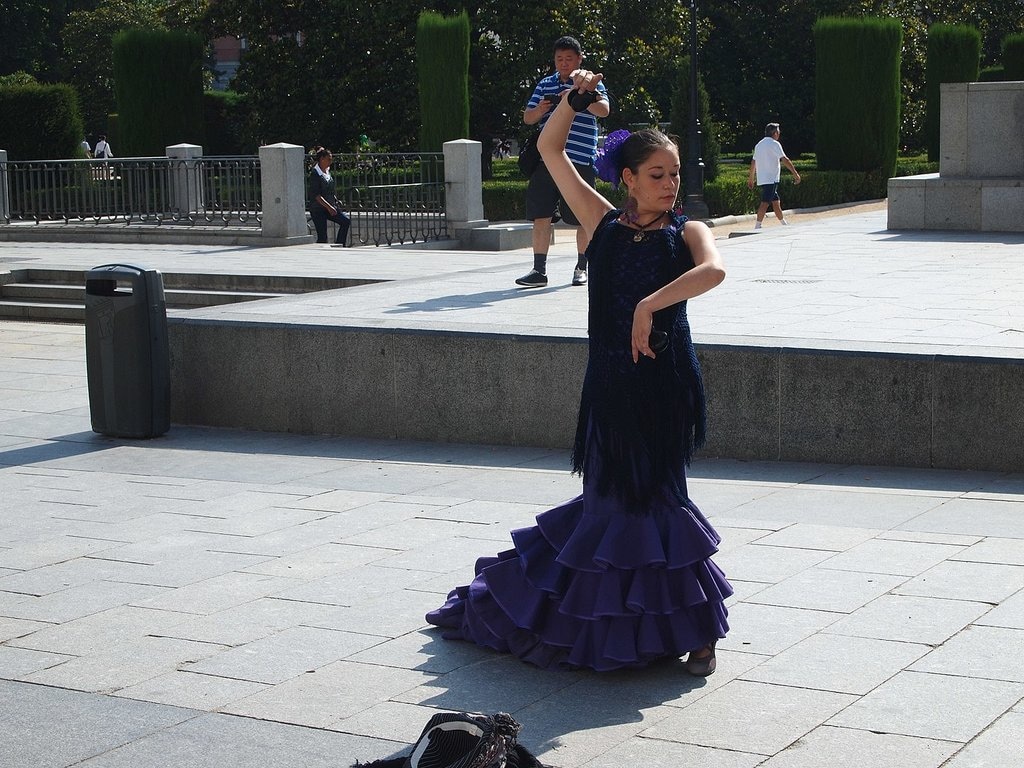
(283,176)
(980,134)
(463,182)
(186,185)
(5,199)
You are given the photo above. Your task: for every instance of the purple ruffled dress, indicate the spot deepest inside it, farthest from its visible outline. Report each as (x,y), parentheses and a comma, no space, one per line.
(621,575)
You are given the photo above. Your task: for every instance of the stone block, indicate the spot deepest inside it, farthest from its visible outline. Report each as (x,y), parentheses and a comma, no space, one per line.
(207,359)
(1002,206)
(978,409)
(454,388)
(906,209)
(283,189)
(742,387)
(953,129)
(499,237)
(995,139)
(343,382)
(545,390)
(463,180)
(857,409)
(953,204)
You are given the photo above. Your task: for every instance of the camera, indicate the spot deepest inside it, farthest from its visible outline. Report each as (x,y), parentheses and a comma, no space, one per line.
(658,340)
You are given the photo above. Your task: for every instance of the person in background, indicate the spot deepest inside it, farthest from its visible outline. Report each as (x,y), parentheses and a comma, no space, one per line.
(765,167)
(102,150)
(542,196)
(85,147)
(620,576)
(323,201)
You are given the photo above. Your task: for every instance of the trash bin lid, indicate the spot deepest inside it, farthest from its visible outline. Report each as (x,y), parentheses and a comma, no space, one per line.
(108,271)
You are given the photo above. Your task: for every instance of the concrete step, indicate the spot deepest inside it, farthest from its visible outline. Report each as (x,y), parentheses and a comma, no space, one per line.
(13,309)
(175,297)
(59,294)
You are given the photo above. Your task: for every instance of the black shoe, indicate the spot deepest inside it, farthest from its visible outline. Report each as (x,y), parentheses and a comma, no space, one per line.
(702,666)
(533,279)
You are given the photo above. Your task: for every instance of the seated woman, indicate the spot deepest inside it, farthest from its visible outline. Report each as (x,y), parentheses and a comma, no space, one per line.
(621,575)
(323,202)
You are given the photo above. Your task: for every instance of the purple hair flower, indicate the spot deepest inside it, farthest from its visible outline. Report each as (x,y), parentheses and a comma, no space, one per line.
(607,162)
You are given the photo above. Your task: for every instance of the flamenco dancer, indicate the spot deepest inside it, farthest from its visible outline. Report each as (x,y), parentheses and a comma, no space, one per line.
(621,575)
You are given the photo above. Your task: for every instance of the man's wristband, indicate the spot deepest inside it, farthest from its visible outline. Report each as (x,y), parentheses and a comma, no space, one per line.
(580,100)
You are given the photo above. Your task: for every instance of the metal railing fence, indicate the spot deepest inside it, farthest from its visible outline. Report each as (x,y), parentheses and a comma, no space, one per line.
(392,197)
(139,190)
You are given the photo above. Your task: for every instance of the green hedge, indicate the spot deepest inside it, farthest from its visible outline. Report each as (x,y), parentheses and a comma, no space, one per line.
(158,82)
(40,122)
(857,91)
(992,75)
(728,195)
(1013,57)
(442,62)
(954,54)
(224,115)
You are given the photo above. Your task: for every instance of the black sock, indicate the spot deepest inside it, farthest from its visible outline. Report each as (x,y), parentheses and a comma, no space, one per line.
(540,262)
(581,261)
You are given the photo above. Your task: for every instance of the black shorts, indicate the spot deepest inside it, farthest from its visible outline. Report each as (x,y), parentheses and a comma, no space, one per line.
(542,194)
(769,192)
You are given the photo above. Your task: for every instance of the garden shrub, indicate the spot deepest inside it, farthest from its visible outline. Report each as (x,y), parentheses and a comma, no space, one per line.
(40,122)
(992,75)
(442,61)
(1013,57)
(224,118)
(158,83)
(857,88)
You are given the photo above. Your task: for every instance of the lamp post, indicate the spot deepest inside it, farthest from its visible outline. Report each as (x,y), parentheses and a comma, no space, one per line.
(694,205)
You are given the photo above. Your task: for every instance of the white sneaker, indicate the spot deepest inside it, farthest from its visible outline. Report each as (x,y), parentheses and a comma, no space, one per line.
(757,225)
(783,222)
(579,277)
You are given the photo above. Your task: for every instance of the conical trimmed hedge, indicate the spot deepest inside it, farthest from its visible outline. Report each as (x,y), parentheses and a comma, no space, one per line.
(158,84)
(857,89)
(442,62)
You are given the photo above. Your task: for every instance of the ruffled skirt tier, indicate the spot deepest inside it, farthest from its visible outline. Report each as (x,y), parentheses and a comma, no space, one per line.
(592,585)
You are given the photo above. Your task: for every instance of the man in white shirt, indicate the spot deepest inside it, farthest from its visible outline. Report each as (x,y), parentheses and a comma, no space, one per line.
(766,168)
(102,149)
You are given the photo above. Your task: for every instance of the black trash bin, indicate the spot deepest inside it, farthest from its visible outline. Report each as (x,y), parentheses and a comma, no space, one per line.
(126,351)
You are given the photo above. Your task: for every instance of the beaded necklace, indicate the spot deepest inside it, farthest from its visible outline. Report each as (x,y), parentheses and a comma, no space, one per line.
(642,232)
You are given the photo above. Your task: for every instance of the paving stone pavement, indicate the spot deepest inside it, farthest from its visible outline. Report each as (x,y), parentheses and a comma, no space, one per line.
(226,598)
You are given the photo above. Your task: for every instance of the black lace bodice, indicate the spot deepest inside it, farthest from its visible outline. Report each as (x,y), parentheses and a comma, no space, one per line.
(639,422)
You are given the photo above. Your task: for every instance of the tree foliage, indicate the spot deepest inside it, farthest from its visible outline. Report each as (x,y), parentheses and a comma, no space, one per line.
(680,121)
(330,70)
(29,36)
(88,59)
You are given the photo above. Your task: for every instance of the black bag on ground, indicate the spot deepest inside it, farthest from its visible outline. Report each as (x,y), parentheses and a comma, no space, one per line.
(529,155)
(465,740)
